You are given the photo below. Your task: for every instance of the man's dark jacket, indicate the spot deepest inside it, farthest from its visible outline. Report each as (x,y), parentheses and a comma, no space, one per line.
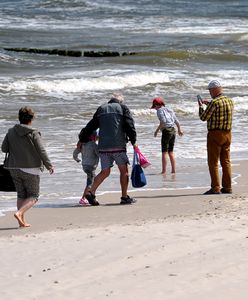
(116,126)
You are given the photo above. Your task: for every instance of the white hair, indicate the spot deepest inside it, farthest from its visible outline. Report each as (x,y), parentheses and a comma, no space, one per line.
(118,97)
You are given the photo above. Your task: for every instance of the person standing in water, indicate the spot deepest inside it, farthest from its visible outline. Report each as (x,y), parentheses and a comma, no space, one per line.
(167,121)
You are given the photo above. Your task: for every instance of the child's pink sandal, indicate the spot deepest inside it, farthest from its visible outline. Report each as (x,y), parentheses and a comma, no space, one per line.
(83,201)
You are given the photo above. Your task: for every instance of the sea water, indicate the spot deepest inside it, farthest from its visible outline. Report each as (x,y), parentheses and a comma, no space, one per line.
(180,46)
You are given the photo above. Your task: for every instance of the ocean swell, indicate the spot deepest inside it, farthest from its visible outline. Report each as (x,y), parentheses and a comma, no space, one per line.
(78,85)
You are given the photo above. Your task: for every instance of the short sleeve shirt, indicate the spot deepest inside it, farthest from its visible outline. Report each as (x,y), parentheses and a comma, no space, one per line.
(167,116)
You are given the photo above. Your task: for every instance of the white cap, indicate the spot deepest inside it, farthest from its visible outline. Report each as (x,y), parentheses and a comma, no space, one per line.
(214,84)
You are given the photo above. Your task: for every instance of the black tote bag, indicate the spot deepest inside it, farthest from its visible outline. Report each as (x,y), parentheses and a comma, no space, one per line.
(6,181)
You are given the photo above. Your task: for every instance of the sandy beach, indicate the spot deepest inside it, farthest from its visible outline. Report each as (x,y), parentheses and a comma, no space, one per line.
(169,245)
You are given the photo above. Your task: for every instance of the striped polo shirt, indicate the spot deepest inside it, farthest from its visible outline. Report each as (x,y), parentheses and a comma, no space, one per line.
(218,113)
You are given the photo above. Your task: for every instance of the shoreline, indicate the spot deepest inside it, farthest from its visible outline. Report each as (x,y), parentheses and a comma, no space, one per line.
(71,200)
(152,205)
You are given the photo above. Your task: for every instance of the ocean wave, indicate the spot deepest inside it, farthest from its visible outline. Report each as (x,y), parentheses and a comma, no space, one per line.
(6,59)
(242,37)
(187,110)
(241,104)
(229,79)
(78,85)
(197,25)
(134,17)
(197,55)
(137,25)
(143,112)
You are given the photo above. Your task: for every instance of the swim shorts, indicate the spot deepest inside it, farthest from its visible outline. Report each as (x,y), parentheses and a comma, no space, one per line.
(168,139)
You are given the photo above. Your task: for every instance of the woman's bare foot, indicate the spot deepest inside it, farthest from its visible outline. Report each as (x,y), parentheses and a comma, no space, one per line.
(19,219)
(25,223)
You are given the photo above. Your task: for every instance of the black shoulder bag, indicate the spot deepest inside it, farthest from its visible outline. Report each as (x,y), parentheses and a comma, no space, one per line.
(6,181)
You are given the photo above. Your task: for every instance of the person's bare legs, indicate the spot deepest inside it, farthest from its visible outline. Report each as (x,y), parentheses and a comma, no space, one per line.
(30,202)
(173,162)
(123,179)
(23,206)
(19,203)
(19,219)
(99,179)
(164,162)
(17,215)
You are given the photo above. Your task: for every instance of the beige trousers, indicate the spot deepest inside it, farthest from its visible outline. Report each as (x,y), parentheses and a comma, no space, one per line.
(218,147)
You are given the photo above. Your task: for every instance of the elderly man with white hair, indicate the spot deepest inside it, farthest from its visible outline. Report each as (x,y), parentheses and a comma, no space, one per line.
(218,114)
(116,127)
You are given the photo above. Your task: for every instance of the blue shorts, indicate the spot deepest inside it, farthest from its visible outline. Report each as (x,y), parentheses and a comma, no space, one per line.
(107,159)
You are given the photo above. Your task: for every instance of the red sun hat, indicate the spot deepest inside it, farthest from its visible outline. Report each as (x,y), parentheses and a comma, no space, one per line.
(157,101)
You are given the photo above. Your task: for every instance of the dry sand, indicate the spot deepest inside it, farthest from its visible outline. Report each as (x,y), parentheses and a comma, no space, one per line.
(170,245)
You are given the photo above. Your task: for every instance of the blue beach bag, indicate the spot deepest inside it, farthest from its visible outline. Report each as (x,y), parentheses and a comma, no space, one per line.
(137,176)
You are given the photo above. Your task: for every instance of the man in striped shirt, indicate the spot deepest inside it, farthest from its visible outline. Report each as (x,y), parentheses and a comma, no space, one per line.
(218,114)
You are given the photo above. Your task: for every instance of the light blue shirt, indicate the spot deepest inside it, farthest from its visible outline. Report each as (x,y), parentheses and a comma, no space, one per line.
(167,116)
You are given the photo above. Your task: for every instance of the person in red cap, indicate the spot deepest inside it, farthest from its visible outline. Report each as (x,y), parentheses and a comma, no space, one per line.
(167,121)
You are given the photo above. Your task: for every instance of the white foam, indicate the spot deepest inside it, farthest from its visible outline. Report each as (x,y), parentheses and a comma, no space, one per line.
(241,103)
(189,108)
(5,210)
(143,112)
(78,85)
(244,37)
(228,79)
(203,26)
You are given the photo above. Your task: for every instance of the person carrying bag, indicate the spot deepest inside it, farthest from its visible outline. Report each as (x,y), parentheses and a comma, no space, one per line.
(26,158)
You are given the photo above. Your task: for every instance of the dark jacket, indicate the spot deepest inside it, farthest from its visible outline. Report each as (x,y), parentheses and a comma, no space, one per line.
(116,126)
(25,148)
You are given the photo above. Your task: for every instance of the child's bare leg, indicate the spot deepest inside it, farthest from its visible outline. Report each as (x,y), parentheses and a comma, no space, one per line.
(173,162)
(164,162)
